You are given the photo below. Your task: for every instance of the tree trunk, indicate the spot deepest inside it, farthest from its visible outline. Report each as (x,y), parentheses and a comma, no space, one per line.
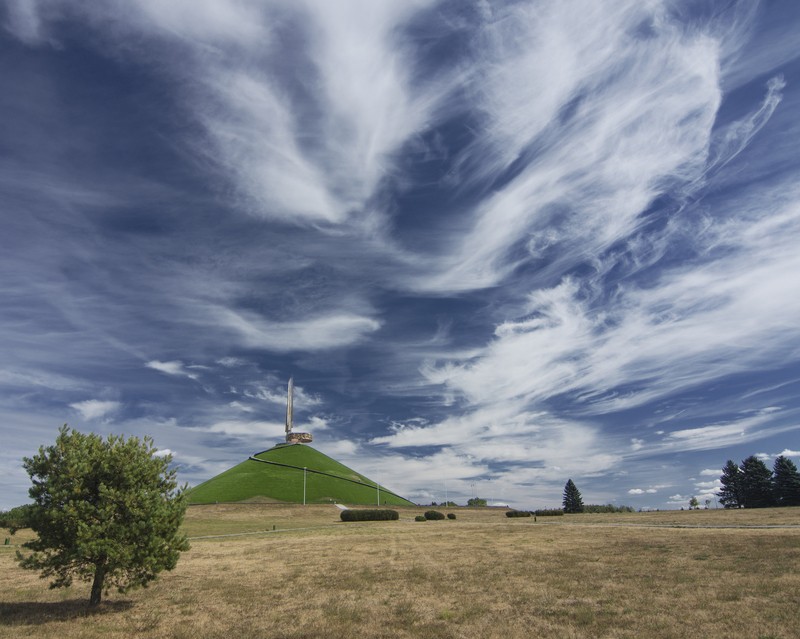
(97,584)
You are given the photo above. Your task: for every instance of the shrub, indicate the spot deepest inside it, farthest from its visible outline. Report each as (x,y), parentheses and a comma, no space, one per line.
(518,513)
(433,514)
(451,515)
(369,515)
(420,518)
(548,512)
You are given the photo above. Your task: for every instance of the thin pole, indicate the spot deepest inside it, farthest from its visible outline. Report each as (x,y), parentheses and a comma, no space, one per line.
(304,485)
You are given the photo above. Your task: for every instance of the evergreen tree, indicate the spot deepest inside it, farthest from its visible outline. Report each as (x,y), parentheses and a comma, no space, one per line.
(573,503)
(106,511)
(730,495)
(756,483)
(785,482)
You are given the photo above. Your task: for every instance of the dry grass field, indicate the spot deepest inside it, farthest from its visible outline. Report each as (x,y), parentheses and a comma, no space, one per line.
(671,574)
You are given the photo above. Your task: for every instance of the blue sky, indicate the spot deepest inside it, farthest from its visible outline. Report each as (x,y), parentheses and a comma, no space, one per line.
(497,244)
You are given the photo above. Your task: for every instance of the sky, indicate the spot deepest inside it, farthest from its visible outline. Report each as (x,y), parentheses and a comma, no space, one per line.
(498,245)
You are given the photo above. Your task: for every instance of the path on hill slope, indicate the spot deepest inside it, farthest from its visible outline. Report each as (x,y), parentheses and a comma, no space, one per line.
(321,472)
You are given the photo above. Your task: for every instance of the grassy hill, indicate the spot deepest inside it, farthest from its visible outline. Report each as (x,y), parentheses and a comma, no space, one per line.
(277,475)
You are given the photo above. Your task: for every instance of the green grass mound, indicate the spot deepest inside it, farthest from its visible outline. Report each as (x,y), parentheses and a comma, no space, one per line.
(277,475)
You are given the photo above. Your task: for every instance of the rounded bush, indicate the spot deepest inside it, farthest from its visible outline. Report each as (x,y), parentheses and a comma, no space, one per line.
(518,513)
(420,518)
(549,512)
(369,515)
(451,515)
(434,514)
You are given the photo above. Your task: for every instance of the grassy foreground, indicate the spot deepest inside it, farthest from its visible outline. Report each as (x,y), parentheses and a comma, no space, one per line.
(483,575)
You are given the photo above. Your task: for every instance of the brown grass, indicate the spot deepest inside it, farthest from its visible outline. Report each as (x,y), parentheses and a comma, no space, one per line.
(482,575)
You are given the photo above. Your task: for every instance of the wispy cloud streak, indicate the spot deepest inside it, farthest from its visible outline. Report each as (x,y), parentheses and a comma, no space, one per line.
(499,242)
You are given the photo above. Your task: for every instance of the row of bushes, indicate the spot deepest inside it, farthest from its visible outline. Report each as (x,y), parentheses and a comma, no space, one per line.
(369,515)
(433,515)
(389,515)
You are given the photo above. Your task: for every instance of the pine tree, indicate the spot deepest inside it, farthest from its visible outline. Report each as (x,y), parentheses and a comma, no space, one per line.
(756,483)
(573,503)
(106,511)
(785,482)
(730,495)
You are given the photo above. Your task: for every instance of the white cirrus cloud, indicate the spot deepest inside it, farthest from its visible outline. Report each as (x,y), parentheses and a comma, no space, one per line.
(313,334)
(644,118)
(96,408)
(244,429)
(174,367)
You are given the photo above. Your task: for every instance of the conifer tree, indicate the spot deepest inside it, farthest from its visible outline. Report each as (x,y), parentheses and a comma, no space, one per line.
(573,503)
(730,495)
(756,483)
(105,511)
(785,482)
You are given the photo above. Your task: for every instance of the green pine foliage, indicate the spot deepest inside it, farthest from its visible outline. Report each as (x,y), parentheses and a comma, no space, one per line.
(756,483)
(106,511)
(573,503)
(752,485)
(730,495)
(785,482)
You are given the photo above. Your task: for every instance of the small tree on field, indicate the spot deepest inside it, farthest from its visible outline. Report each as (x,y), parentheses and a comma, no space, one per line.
(103,510)
(573,503)
(694,504)
(730,495)
(785,482)
(476,501)
(756,483)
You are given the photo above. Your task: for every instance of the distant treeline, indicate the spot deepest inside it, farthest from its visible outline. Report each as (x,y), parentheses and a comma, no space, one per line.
(607,508)
(16,518)
(586,508)
(753,485)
